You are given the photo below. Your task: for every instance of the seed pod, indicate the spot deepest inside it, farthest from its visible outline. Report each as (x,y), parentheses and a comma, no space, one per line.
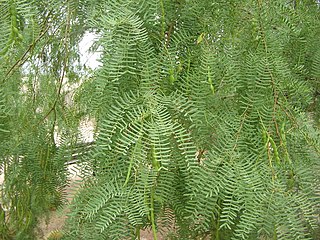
(212,88)
(264,136)
(200,38)
(20,36)
(15,30)
(14,21)
(275,150)
(171,77)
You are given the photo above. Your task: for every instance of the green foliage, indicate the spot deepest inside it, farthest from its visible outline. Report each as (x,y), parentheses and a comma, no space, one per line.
(205,118)
(32,106)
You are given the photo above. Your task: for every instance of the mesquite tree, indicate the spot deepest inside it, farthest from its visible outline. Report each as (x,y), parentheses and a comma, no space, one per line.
(205,117)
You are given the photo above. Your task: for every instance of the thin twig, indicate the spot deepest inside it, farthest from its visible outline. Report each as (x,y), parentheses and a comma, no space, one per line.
(65,60)
(23,58)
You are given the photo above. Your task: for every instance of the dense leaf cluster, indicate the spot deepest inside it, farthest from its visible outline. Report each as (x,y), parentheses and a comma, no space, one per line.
(206,117)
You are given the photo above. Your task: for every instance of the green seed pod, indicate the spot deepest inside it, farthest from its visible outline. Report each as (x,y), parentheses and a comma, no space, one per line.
(200,38)
(212,88)
(13,10)
(15,30)
(171,77)
(287,158)
(275,150)
(20,36)
(264,136)
(14,21)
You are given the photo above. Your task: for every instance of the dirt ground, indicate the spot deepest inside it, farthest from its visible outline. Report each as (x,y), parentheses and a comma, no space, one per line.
(57,217)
